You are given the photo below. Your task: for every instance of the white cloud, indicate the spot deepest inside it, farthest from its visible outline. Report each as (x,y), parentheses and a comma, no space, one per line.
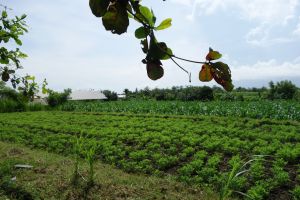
(279,11)
(269,15)
(267,70)
(297,30)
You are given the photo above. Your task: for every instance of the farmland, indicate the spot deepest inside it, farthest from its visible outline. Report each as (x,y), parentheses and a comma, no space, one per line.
(198,150)
(252,109)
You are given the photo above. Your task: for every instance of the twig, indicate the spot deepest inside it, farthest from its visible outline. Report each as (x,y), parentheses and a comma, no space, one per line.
(189,73)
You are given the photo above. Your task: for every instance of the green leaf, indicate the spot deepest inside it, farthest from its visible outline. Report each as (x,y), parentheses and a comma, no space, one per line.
(18,41)
(5,76)
(142,32)
(222,75)
(164,24)
(205,74)
(116,19)
(4,14)
(213,55)
(154,70)
(147,14)
(99,7)
(158,50)
(4,60)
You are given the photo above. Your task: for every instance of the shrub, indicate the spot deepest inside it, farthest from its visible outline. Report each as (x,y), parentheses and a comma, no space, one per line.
(11,100)
(282,90)
(111,96)
(55,98)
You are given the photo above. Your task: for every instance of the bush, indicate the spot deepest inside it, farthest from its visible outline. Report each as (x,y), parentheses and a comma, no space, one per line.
(111,96)
(11,100)
(282,90)
(55,98)
(206,94)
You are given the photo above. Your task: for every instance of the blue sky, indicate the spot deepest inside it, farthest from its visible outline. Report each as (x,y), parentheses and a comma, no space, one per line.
(68,46)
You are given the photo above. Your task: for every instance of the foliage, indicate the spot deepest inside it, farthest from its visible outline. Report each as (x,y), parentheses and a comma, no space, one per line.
(11,100)
(282,90)
(238,170)
(190,93)
(251,109)
(115,16)
(201,154)
(10,30)
(56,98)
(111,96)
(296,192)
(30,88)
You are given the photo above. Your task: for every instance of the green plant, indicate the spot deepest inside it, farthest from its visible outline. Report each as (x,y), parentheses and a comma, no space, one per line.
(282,90)
(77,151)
(237,170)
(296,193)
(10,30)
(90,157)
(55,98)
(111,96)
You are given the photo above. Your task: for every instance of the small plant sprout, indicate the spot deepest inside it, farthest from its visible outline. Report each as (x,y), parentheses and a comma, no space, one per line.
(77,149)
(236,171)
(90,158)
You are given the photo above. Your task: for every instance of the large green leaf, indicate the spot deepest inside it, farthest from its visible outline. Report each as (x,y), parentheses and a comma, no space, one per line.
(99,7)
(222,75)
(5,76)
(164,24)
(159,50)
(205,74)
(116,19)
(213,55)
(148,15)
(142,32)
(154,70)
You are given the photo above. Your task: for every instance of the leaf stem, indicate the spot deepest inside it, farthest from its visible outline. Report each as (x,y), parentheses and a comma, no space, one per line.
(187,60)
(189,73)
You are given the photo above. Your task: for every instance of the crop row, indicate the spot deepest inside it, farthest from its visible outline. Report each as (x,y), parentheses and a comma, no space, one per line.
(254,109)
(197,150)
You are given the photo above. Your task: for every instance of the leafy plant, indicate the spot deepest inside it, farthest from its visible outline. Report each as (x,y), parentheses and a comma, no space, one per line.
(90,157)
(237,170)
(56,98)
(10,30)
(77,151)
(115,16)
(282,90)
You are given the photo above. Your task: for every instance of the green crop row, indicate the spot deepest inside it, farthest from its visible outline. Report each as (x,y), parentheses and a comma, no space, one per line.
(197,150)
(254,109)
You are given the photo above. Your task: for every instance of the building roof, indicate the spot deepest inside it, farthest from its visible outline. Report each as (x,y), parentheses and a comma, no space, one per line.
(87,95)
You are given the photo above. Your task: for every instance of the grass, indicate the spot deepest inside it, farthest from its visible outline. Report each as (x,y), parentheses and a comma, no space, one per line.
(50,179)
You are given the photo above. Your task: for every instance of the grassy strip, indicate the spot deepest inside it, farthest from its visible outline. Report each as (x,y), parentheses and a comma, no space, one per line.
(51,174)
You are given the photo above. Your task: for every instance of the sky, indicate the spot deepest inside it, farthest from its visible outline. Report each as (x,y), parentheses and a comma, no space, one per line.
(68,45)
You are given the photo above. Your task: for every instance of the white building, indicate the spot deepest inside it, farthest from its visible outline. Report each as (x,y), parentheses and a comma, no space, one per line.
(78,95)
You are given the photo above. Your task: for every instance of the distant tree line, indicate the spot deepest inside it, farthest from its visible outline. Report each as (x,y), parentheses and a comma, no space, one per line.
(12,100)
(280,90)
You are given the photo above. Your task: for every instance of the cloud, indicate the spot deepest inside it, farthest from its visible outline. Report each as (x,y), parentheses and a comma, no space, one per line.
(297,30)
(279,11)
(267,70)
(265,15)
